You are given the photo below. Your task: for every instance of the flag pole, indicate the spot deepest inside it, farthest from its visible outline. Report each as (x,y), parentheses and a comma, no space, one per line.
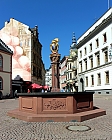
(108,4)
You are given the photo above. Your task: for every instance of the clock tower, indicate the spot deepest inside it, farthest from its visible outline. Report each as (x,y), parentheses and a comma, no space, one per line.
(73,49)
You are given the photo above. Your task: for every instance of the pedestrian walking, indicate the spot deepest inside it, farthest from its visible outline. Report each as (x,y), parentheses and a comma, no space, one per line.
(28,91)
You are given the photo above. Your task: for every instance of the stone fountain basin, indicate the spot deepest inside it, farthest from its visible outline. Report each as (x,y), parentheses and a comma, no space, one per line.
(56,106)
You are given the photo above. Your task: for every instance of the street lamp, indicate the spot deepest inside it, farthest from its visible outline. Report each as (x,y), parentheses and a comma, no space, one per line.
(110,52)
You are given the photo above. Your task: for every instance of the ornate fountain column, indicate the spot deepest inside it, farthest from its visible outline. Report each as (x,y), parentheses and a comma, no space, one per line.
(55,61)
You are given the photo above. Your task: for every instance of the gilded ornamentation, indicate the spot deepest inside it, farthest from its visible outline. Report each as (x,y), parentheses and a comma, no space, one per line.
(55,58)
(54,45)
(55,104)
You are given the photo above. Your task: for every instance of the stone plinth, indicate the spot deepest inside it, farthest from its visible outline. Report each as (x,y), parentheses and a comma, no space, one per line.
(61,106)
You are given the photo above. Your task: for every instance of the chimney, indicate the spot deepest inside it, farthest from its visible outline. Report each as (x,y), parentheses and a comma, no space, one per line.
(11,19)
(6,22)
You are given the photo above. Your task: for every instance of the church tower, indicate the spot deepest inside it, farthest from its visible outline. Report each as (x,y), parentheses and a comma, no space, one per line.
(73,49)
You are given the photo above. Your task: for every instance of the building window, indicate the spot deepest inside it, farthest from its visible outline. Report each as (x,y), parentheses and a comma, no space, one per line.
(80,66)
(1,62)
(97,43)
(98,59)
(20,44)
(107,77)
(90,47)
(91,62)
(34,71)
(25,42)
(86,81)
(70,75)
(1,83)
(92,80)
(106,56)
(20,31)
(40,73)
(34,58)
(39,51)
(85,51)
(99,78)
(75,73)
(66,77)
(104,38)
(85,64)
(70,65)
(28,42)
(80,54)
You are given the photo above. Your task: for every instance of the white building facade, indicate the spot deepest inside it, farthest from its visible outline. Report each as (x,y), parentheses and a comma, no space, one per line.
(94,65)
(48,77)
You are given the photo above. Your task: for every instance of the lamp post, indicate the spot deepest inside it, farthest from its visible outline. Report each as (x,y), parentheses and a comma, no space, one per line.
(108,4)
(110,53)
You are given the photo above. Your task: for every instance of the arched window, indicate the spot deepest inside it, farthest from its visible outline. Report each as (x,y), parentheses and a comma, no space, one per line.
(1,62)
(1,83)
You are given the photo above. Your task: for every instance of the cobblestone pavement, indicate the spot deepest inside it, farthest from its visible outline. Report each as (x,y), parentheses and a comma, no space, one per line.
(14,129)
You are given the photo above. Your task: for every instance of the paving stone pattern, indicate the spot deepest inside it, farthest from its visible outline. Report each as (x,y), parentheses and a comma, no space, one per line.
(14,129)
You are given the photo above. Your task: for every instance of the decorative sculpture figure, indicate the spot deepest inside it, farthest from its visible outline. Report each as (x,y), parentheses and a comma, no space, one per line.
(54,45)
(55,61)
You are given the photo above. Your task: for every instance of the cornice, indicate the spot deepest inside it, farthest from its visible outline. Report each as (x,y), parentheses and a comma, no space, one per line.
(97,29)
(93,69)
